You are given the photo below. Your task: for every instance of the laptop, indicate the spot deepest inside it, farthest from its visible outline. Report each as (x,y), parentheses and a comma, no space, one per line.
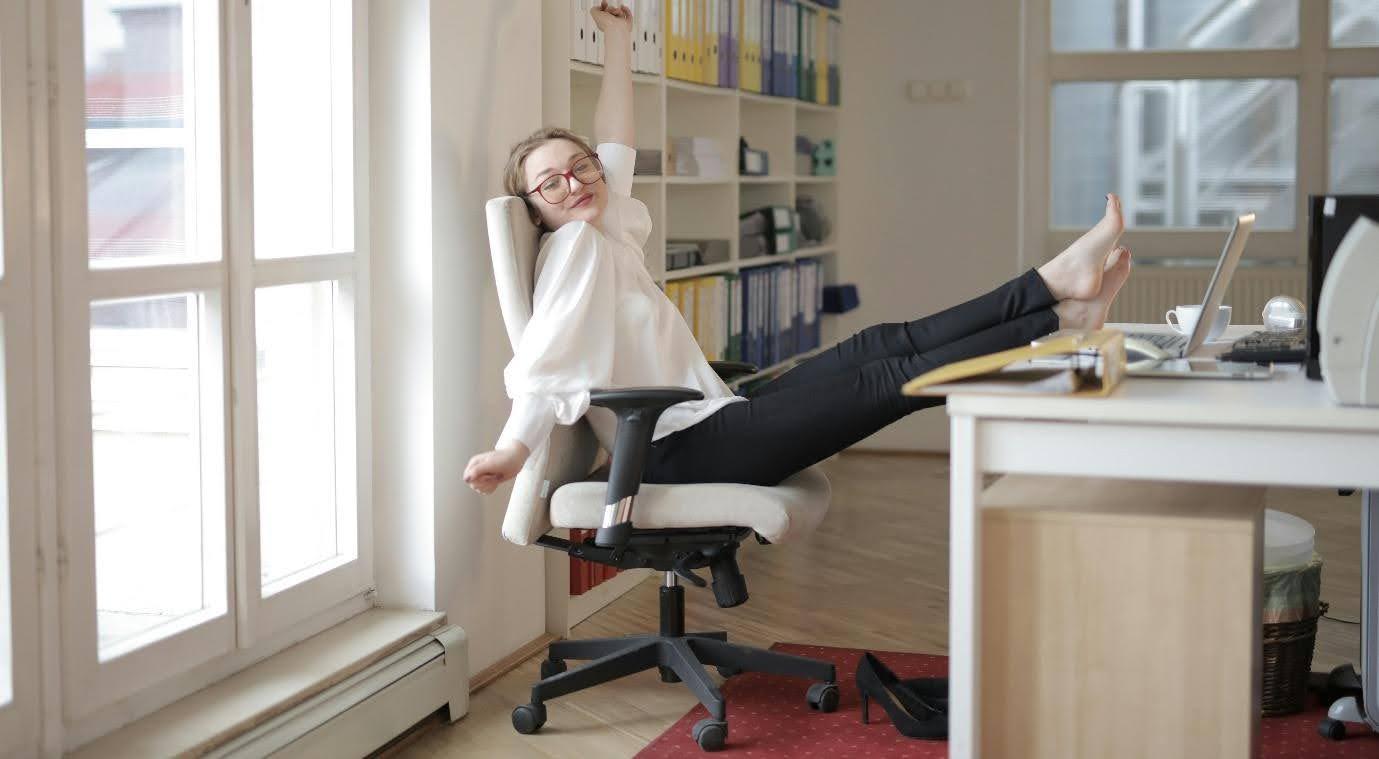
(1172,355)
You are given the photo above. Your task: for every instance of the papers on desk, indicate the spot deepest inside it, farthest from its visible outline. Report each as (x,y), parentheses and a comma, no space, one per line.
(1089,363)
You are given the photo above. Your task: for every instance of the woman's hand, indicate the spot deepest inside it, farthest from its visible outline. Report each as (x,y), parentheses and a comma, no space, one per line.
(612,19)
(486,471)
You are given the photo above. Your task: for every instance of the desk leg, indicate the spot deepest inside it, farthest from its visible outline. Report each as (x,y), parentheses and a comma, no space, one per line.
(1369,617)
(964,585)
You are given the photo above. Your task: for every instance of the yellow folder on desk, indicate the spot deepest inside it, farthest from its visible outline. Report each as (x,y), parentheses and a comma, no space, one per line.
(1094,365)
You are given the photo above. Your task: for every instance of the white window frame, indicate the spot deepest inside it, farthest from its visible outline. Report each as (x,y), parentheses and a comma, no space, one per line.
(19,719)
(260,617)
(100,692)
(1313,64)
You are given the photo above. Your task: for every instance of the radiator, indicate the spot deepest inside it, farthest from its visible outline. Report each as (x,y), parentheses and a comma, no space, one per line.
(370,708)
(1152,290)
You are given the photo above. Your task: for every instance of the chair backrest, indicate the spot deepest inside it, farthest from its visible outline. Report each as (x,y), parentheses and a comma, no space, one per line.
(570,453)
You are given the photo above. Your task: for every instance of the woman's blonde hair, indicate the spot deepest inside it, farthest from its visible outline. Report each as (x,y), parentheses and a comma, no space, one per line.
(515,174)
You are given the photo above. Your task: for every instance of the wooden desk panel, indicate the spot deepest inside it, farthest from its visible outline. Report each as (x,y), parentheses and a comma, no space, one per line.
(1120,618)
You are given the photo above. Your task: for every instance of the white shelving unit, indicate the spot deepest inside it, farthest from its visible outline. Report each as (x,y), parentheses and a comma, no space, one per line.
(688,207)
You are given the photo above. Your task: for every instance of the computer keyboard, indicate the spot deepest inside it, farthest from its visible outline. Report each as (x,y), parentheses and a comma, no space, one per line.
(1170,342)
(1264,347)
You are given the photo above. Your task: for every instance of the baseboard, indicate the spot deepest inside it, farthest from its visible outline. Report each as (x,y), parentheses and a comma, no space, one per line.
(370,708)
(585,604)
(510,662)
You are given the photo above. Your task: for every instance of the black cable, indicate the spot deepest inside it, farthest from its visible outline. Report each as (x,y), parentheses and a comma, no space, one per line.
(1342,621)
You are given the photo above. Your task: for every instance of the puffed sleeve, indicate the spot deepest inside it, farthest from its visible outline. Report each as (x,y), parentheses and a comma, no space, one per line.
(626,218)
(567,347)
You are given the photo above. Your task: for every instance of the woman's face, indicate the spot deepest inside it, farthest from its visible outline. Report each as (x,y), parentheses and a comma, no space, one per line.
(584,201)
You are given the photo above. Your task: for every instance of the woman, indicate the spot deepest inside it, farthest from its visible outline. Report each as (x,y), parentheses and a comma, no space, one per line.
(600,321)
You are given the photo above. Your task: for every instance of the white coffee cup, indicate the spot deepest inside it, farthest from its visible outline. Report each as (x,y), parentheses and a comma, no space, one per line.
(1183,320)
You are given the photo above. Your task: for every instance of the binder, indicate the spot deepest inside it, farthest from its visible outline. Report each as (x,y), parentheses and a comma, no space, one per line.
(594,36)
(727,76)
(725,48)
(808,62)
(577,17)
(834,53)
(744,45)
(765,40)
(709,28)
(821,47)
(778,49)
(671,29)
(792,40)
(1086,364)
(656,50)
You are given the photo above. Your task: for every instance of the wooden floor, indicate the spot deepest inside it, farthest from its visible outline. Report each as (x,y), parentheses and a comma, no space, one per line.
(873,576)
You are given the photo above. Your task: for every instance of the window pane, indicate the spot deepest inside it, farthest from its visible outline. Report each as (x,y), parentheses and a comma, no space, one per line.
(141,149)
(1173,24)
(6,636)
(1354,139)
(137,197)
(1354,22)
(303,128)
(152,536)
(305,387)
(1181,154)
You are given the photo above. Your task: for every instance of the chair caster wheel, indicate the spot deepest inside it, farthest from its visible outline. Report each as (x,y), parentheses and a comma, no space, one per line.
(823,697)
(1331,729)
(710,734)
(727,672)
(551,667)
(528,718)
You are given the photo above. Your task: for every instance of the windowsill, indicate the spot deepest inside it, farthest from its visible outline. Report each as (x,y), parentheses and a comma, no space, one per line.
(213,715)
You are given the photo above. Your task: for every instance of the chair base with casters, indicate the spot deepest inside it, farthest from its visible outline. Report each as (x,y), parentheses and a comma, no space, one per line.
(679,655)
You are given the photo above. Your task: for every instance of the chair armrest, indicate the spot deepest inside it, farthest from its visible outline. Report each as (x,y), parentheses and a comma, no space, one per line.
(637,410)
(731,370)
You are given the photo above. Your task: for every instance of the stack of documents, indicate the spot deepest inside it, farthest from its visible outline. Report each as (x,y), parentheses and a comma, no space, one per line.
(698,157)
(1078,363)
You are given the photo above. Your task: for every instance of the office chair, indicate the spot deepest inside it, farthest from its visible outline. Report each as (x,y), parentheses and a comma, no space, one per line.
(674,529)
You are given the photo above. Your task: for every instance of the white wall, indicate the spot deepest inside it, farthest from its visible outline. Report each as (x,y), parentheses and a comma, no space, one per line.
(454,85)
(930,208)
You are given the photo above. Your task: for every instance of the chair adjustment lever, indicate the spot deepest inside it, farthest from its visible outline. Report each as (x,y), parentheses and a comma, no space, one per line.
(688,574)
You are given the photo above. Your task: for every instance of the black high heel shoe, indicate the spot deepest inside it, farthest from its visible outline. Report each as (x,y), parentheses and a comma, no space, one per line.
(933,691)
(908,712)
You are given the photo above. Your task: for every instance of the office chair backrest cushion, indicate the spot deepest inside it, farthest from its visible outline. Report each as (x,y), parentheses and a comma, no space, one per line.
(569,454)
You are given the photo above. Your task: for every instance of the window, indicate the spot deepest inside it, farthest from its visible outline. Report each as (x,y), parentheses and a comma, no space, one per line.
(19,644)
(1353,147)
(1354,23)
(1080,25)
(210,450)
(1195,111)
(6,615)
(1185,153)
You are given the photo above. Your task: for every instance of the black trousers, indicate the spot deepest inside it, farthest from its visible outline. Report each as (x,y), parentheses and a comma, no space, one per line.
(848,392)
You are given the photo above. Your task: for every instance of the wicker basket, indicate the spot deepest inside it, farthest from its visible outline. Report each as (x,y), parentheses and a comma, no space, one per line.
(1287,663)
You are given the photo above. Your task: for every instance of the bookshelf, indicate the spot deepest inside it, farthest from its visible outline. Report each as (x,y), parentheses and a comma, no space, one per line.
(689,207)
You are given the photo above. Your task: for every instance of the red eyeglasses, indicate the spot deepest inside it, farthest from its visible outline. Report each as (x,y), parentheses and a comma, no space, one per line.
(555,188)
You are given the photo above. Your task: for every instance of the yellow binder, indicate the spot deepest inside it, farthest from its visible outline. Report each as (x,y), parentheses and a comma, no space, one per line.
(746,52)
(1088,364)
(709,26)
(671,37)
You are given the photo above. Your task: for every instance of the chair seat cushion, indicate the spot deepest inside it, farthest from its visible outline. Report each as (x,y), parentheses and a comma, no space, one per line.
(780,513)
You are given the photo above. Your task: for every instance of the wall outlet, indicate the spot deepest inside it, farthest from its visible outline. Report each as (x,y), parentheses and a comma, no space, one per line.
(938,90)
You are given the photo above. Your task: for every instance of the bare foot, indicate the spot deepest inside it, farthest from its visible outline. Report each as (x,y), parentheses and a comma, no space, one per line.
(1076,272)
(1091,313)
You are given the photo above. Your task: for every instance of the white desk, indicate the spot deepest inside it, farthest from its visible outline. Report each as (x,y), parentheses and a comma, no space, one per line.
(1284,431)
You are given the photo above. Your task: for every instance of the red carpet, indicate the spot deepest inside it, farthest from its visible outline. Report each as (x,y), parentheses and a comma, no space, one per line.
(768,716)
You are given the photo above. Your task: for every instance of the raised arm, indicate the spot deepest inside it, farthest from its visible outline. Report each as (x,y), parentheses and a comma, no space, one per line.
(613,115)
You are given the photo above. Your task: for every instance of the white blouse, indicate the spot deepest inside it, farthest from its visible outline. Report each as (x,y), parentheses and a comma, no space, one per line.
(599,321)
